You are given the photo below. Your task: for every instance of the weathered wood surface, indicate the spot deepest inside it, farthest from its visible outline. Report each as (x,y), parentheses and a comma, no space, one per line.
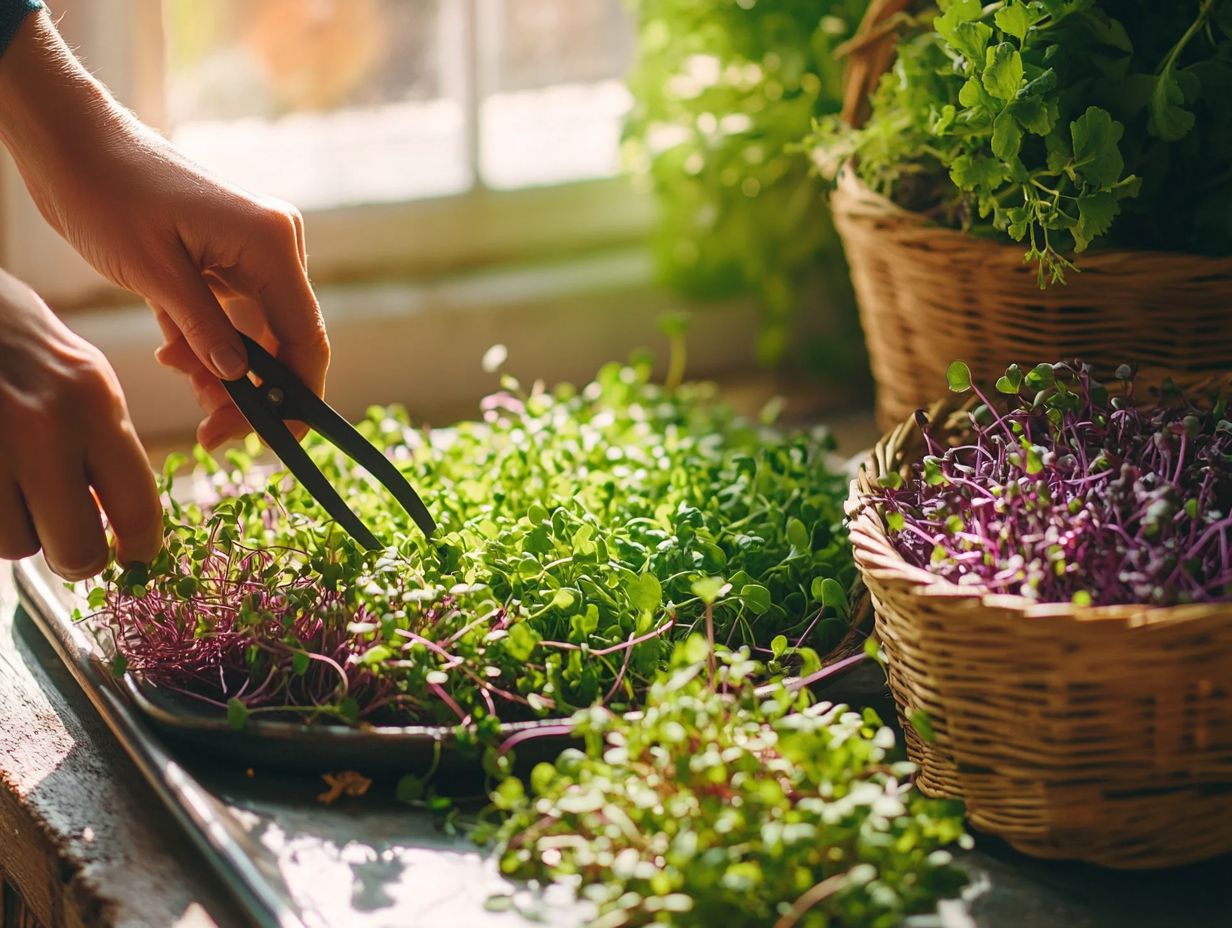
(82,840)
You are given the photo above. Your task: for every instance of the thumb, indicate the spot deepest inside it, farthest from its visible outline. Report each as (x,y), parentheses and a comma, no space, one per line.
(185,297)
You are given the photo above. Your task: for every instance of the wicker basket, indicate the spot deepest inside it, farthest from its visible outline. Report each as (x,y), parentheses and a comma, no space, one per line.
(1103,734)
(930,294)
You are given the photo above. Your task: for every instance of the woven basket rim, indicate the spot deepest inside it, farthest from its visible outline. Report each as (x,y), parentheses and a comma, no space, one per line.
(849,188)
(878,558)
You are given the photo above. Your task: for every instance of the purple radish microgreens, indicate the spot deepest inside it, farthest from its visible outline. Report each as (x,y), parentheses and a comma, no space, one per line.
(1057,489)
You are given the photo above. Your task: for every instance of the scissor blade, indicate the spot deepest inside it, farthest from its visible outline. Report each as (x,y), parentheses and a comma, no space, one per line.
(346,438)
(278,437)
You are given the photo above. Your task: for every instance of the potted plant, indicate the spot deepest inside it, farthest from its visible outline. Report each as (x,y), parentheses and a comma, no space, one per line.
(1042,178)
(1049,563)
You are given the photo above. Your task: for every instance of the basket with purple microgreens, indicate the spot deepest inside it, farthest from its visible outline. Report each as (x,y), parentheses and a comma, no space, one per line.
(1049,561)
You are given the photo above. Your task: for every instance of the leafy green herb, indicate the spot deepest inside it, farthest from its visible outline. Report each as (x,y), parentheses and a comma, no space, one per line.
(1057,123)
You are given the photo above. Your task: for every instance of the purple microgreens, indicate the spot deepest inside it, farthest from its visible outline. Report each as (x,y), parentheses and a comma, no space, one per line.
(1061,490)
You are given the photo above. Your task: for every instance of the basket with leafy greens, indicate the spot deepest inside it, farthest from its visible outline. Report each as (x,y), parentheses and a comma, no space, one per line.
(1057,123)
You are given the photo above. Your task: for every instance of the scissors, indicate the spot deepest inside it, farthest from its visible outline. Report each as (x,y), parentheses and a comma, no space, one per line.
(280,396)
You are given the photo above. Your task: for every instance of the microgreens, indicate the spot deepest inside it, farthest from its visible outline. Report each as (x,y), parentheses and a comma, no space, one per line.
(723,805)
(574,527)
(1061,490)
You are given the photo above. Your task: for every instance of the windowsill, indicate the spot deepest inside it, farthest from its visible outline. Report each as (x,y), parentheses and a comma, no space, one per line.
(420,342)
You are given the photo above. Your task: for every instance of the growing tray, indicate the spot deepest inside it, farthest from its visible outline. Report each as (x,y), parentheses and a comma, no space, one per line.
(284,744)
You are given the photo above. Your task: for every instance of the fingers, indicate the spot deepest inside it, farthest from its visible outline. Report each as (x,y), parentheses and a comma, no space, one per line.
(66,518)
(120,474)
(223,421)
(17,537)
(275,273)
(175,352)
(190,304)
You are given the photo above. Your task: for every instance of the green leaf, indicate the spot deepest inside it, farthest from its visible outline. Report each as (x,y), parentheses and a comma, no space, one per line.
(237,714)
(896,521)
(1097,159)
(892,479)
(972,94)
(348,710)
(521,641)
(1006,136)
(508,794)
(300,662)
(1018,221)
(1033,115)
(756,597)
(119,666)
(1169,120)
(970,172)
(563,599)
(1095,214)
(933,474)
(833,596)
(1002,71)
(1040,376)
(1013,19)
(798,535)
(645,592)
(410,788)
(709,589)
(377,654)
(958,377)
(956,13)
(778,645)
(1082,598)
(97,598)
(971,38)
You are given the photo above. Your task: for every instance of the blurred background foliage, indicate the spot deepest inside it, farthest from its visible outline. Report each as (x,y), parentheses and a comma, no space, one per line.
(723,92)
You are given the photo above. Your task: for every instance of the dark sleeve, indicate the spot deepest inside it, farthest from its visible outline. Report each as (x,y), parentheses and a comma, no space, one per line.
(12,12)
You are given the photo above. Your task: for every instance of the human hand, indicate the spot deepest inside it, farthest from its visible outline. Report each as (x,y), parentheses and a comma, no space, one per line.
(68,440)
(208,257)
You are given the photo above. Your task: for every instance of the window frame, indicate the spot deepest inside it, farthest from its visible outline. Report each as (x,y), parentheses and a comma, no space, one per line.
(122,43)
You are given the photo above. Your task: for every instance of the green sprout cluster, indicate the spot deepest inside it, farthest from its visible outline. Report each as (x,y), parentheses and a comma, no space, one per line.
(722,804)
(572,526)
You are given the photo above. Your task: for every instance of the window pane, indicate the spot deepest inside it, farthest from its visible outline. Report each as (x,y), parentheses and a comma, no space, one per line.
(321,102)
(553,91)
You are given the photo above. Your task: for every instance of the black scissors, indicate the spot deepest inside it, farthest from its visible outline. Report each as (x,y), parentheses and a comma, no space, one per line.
(280,396)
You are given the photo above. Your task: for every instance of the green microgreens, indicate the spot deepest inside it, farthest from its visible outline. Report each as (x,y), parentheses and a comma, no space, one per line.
(722,804)
(574,527)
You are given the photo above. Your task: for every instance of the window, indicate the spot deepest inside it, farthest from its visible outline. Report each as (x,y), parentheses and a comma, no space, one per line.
(343,102)
(415,135)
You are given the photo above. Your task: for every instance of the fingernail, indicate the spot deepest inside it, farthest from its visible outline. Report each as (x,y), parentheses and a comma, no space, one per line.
(74,574)
(229,362)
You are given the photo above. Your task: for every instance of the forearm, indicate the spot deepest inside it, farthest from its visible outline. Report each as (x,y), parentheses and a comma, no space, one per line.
(53,113)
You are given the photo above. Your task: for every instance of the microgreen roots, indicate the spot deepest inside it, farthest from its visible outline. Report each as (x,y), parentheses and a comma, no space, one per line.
(572,527)
(1059,491)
